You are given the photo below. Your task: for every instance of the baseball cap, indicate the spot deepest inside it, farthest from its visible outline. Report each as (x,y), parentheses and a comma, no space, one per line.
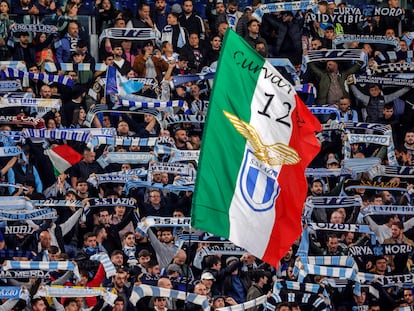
(207,276)
(332,161)
(173,268)
(230,259)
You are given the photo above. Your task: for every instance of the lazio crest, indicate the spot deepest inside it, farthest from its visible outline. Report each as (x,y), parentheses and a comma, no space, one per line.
(258,179)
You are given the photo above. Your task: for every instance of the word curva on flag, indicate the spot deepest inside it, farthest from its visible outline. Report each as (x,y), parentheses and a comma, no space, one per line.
(259,138)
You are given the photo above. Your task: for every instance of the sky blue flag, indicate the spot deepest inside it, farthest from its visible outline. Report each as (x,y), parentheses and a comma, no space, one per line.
(132,86)
(111,86)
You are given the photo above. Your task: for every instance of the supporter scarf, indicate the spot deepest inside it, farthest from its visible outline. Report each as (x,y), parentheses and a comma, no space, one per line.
(117,177)
(325,111)
(177,154)
(380,250)
(168,221)
(340,227)
(303,269)
(99,202)
(42,265)
(282,6)
(342,38)
(388,280)
(15,203)
(144,184)
(5,184)
(106,262)
(179,118)
(384,80)
(33,28)
(20,120)
(344,261)
(47,213)
(125,157)
(337,55)
(375,185)
(178,283)
(396,171)
(254,303)
(64,134)
(303,287)
(224,249)
(14,73)
(123,141)
(306,88)
(79,67)
(356,165)
(24,274)
(10,138)
(375,127)
(41,105)
(317,302)
(396,67)
(14,64)
(10,253)
(328,202)
(10,292)
(182,79)
(139,98)
(18,230)
(71,291)
(384,140)
(10,86)
(127,34)
(335,201)
(152,104)
(143,290)
(323,172)
(56,203)
(173,168)
(103,108)
(387,210)
(9,151)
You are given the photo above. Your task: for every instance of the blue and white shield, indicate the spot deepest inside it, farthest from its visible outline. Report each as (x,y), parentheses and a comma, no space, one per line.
(258,183)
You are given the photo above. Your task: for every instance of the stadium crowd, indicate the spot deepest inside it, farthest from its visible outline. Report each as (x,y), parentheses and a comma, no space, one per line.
(110,229)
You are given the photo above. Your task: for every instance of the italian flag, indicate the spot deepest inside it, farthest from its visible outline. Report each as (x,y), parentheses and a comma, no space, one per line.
(63,157)
(258,140)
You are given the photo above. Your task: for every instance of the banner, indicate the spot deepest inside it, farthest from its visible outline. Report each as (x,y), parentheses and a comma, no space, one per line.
(380,249)
(340,15)
(375,185)
(18,230)
(282,6)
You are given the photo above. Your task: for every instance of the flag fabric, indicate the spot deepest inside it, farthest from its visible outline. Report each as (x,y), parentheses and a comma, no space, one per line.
(259,138)
(63,157)
(111,87)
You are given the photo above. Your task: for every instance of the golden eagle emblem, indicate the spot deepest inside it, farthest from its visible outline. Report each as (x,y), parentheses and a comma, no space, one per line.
(276,154)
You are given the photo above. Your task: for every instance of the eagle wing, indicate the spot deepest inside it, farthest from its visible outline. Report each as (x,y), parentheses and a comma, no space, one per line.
(246,130)
(285,155)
